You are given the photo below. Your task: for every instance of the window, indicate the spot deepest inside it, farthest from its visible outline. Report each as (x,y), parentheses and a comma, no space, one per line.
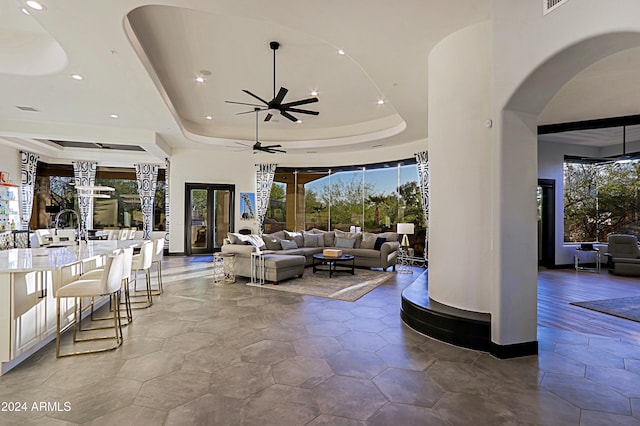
(55,192)
(374,198)
(600,199)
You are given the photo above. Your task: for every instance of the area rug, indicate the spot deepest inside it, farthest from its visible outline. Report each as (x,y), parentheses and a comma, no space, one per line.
(342,286)
(623,307)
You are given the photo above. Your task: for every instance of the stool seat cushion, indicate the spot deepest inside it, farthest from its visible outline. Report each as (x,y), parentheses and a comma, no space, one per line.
(80,288)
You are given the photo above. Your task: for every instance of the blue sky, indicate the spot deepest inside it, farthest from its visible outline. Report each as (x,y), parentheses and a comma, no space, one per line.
(383,180)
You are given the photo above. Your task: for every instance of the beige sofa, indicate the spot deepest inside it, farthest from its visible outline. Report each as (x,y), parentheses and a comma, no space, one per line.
(367,253)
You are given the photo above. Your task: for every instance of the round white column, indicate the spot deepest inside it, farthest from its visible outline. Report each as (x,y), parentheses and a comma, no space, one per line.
(460,169)
(482,240)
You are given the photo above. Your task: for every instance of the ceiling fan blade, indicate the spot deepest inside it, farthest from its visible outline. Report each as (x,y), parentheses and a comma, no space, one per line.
(300,102)
(268,117)
(251,112)
(243,103)
(285,114)
(280,96)
(271,146)
(255,96)
(303,111)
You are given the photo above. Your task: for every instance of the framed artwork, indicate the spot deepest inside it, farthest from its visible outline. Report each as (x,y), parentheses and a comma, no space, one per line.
(247,206)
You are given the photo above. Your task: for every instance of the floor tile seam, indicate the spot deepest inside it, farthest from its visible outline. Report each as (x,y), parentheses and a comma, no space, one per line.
(611,388)
(596,384)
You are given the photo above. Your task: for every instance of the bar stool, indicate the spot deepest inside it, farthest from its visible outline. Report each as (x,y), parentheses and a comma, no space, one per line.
(108,284)
(126,275)
(142,262)
(158,254)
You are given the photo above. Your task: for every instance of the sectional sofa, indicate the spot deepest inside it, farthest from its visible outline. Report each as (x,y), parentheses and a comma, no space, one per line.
(370,250)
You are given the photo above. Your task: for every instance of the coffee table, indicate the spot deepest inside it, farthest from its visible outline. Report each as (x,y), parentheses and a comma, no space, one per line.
(333,262)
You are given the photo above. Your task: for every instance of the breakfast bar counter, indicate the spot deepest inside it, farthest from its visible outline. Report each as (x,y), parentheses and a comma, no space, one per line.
(29,279)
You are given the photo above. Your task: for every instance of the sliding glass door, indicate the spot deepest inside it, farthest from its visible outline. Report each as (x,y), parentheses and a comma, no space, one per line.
(208,216)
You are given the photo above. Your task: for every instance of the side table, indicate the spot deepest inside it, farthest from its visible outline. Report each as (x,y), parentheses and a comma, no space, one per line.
(224,267)
(257,267)
(404,264)
(576,258)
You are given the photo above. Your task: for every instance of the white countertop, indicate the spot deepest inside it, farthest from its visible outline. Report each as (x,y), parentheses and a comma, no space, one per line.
(49,258)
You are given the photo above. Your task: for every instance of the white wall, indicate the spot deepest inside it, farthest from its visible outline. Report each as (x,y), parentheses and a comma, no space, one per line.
(460,166)
(534,56)
(10,162)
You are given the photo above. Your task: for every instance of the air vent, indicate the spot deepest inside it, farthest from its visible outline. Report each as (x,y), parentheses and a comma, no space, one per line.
(26,108)
(551,5)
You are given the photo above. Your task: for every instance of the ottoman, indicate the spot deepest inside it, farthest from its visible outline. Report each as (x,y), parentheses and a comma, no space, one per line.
(279,267)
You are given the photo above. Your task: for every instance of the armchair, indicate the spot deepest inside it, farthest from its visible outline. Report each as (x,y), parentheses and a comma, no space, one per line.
(624,254)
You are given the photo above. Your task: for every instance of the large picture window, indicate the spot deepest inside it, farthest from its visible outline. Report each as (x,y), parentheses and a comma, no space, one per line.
(373,198)
(600,199)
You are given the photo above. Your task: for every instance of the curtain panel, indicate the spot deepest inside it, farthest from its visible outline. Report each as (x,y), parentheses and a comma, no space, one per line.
(422,162)
(264,179)
(147,178)
(167,176)
(28,163)
(85,175)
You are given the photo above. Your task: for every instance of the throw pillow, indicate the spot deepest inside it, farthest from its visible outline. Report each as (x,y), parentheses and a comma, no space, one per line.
(288,244)
(345,242)
(379,242)
(368,240)
(313,240)
(272,243)
(295,236)
(357,236)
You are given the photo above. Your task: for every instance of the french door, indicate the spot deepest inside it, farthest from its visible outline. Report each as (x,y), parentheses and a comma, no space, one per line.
(208,216)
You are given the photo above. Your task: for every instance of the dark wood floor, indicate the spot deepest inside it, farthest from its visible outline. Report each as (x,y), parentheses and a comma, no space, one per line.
(558,288)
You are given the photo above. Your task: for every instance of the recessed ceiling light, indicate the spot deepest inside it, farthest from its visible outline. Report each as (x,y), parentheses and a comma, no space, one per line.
(77,77)
(114,115)
(314,93)
(199,79)
(25,11)
(380,101)
(340,52)
(33,4)
(209,117)
(298,121)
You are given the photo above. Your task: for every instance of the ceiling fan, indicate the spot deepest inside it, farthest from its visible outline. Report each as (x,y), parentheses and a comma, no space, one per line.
(271,149)
(276,105)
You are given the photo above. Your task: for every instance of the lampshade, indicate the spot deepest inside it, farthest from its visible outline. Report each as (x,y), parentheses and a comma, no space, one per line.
(405,228)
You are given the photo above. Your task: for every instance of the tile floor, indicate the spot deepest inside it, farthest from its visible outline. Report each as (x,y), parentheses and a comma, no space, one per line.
(239,355)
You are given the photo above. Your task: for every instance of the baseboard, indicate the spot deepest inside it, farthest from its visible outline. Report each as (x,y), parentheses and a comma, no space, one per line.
(514,351)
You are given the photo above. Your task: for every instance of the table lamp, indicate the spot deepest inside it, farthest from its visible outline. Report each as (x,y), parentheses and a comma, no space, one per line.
(405,229)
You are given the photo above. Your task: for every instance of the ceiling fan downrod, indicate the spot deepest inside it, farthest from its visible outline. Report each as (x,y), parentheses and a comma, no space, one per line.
(274,45)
